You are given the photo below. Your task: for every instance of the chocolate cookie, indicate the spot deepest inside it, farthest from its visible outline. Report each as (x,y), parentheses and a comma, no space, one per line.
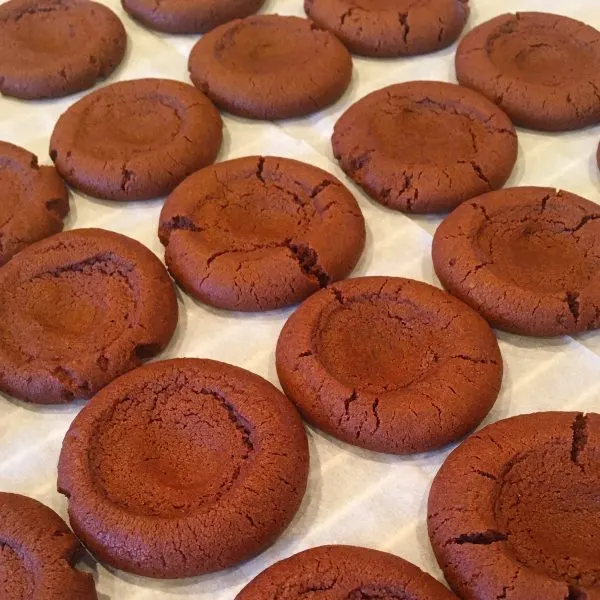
(513,512)
(189,16)
(260,233)
(271,67)
(136,140)
(542,69)
(389,364)
(526,258)
(52,48)
(33,200)
(183,467)
(77,310)
(349,572)
(38,553)
(391,27)
(425,146)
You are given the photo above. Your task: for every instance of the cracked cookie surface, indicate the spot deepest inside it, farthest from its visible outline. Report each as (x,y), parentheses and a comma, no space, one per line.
(390,28)
(525,258)
(271,67)
(260,233)
(183,467)
(344,573)
(513,512)
(189,16)
(33,200)
(77,310)
(52,48)
(425,146)
(136,140)
(389,364)
(38,553)
(542,69)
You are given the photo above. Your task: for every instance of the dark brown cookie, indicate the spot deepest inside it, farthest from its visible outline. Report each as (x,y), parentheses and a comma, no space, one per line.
(52,48)
(513,512)
(389,364)
(271,67)
(526,258)
(37,554)
(183,467)
(260,233)
(344,572)
(189,16)
(391,27)
(542,69)
(136,140)
(425,146)
(33,200)
(77,310)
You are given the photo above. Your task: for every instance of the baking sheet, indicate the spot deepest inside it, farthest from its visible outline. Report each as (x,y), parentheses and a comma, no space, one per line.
(354,496)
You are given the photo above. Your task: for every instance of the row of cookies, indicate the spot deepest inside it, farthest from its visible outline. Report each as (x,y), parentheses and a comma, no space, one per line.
(138,501)
(55,48)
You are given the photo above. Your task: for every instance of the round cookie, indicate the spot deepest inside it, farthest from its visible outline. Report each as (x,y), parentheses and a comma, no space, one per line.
(271,67)
(189,16)
(53,48)
(183,467)
(38,553)
(389,364)
(526,258)
(77,310)
(260,233)
(513,512)
(425,146)
(33,200)
(542,69)
(136,140)
(389,28)
(349,572)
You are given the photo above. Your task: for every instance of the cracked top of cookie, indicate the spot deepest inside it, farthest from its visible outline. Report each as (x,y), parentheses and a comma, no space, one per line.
(34,200)
(514,510)
(136,140)
(38,553)
(389,364)
(183,467)
(425,146)
(526,258)
(259,233)
(542,69)
(79,309)
(391,27)
(344,572)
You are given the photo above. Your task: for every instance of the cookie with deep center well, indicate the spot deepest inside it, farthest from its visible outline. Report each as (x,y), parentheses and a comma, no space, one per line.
(425,146)
(33,200)
(542,69)
(53,48)
(348,572)
(389,364)
(183,467)
(37,554)
(514,510)
(260,233)
(526,258)
(189,16)
(79,309)
(391,27)
(136,140)
(271,67)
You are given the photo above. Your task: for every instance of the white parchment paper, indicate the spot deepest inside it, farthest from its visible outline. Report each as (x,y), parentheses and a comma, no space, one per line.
(353,497)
